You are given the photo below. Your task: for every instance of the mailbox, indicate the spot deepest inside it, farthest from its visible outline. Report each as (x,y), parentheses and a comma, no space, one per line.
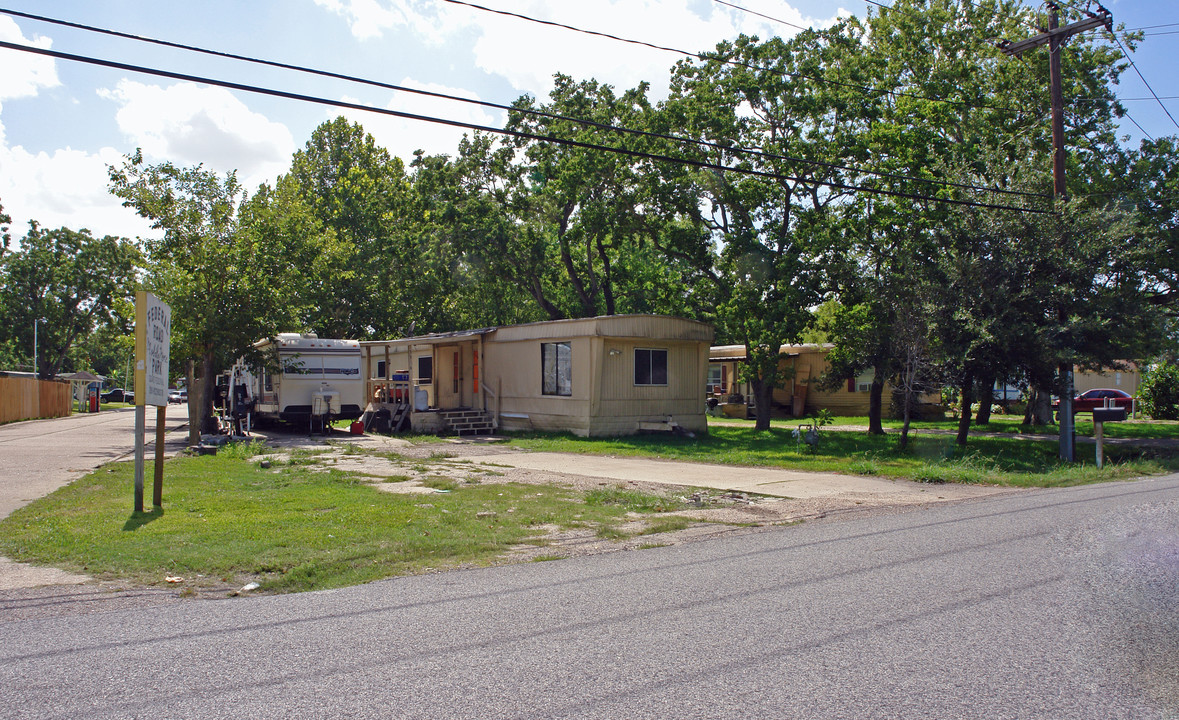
(1109,414)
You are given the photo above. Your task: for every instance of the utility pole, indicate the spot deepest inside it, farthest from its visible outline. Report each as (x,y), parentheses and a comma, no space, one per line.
(1054,38)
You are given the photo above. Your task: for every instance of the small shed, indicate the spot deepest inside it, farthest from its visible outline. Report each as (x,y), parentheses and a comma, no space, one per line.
(601,376)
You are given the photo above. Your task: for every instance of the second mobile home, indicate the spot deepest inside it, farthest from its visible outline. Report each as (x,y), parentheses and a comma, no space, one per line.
(610,375)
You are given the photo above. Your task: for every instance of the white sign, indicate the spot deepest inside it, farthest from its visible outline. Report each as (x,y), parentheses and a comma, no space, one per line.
(153,333)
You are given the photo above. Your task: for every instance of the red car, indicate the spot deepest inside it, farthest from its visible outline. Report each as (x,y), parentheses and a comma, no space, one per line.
(1096,398)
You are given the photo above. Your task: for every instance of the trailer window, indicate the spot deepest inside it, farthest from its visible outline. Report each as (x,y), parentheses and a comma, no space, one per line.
(425,368)
(556,362)
(380,368)
(650,367)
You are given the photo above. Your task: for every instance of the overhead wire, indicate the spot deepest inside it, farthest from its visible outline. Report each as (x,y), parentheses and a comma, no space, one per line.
(255,89)
(737,63)
(1126,54)
(1139,126)
(499,106)
(760,15)
(1152,27)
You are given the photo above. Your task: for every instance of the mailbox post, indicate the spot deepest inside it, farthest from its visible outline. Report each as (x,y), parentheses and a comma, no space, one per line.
(1100,417)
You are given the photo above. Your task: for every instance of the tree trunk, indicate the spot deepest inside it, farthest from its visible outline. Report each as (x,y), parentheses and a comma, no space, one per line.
(207,422)
(763,394)
(875,404)
(1039,410)
(986,396)
(908,415)
(194,404)
(964,416)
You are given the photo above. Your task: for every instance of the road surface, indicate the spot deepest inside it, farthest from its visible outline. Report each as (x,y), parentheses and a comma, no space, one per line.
(1054,604)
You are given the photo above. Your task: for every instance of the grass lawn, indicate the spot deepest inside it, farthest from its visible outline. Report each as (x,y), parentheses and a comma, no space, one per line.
(930,458)
(296,526)
(1000,424)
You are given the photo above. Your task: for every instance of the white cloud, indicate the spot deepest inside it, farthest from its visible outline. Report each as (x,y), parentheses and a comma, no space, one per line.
(67,188)
(528,54)
(24,73)
(368,19)
(189,124)
(401,136)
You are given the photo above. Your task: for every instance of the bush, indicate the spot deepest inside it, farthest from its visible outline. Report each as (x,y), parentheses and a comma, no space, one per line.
(1159,392)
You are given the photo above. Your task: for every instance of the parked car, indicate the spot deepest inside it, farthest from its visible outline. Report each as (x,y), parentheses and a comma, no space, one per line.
(1096,398)
(177,396)
(118,395)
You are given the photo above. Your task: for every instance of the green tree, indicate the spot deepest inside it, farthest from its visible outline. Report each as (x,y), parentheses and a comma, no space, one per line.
(67,282)
(577,230)
(1159,391)
(357,189)
(228,286)
(771,220)
(1150,185)
(5,221)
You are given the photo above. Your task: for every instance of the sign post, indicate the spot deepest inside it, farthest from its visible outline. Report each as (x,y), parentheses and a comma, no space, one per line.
(153,329)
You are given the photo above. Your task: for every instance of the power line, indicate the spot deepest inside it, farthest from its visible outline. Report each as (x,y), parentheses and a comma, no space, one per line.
(705,58)
(760,15)
(1131,119)
(1152,27)
(507,108)
(1126,54)
(495,130)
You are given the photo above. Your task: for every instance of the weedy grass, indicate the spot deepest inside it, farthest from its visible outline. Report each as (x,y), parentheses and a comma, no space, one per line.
(292,527)
(633,500)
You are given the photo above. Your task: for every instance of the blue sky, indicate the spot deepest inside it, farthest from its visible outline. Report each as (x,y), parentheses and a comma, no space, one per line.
(61,122)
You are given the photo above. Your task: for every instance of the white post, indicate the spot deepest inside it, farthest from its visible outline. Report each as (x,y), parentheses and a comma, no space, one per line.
(1099,431)
(140,429)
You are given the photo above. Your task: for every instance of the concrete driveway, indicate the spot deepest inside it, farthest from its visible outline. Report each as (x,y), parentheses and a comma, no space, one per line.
(762,481)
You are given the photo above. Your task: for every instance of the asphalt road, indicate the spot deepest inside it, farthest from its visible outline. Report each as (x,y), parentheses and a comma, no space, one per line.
(1047,604)
(40,456)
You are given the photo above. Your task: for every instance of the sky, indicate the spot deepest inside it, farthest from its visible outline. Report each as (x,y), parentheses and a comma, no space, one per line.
(63,122)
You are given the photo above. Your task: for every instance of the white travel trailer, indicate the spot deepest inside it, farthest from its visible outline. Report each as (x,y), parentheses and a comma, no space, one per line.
(319,381)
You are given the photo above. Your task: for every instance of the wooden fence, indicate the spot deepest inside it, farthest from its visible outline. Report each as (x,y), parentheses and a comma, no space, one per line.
(26,398)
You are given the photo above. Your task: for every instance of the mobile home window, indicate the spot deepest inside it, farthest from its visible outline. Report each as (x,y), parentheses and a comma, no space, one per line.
(714,378)
(650,367)
(425,369)
(556,362)
(380,368)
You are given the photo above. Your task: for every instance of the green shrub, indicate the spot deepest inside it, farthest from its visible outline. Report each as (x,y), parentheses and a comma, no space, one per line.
(1159,392)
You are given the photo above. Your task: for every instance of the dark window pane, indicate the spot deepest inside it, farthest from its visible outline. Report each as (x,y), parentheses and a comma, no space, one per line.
(658,367)
(642,367)
(556,361)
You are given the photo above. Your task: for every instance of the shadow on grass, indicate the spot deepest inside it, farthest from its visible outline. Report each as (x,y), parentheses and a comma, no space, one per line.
(139,519)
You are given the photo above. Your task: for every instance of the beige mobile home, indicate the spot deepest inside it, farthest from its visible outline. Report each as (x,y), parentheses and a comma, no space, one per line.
(799,396)
(611,375)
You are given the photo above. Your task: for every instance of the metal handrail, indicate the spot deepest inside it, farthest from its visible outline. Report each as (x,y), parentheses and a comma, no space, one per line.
(485,390)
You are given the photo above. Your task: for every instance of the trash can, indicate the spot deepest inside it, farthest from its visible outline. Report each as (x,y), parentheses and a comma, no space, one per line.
(93,399)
